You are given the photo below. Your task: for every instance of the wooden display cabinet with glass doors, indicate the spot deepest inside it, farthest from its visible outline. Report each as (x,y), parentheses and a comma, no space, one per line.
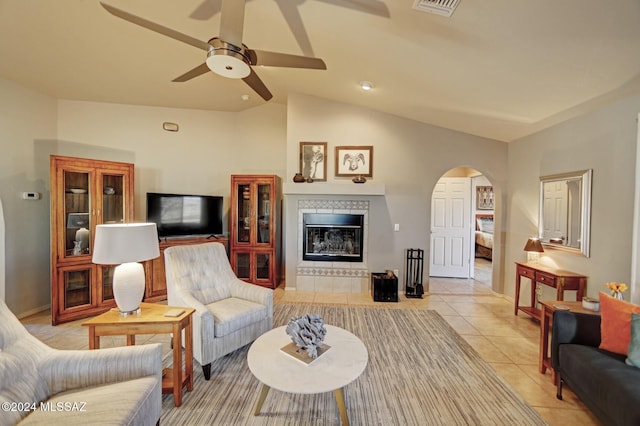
(84,193)
(254,234)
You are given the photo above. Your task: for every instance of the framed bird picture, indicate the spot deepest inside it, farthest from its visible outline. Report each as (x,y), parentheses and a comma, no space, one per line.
(354,161)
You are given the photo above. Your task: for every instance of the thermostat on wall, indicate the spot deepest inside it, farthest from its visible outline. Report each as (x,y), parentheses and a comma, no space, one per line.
(31,195)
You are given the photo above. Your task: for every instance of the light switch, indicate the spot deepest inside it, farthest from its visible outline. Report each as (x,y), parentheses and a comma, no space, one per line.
(396,227)
(30,195)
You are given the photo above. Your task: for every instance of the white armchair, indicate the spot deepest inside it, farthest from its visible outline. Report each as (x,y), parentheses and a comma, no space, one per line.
(46,386)
(230,313)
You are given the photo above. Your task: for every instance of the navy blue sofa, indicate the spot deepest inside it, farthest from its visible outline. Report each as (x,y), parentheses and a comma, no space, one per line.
(601,379)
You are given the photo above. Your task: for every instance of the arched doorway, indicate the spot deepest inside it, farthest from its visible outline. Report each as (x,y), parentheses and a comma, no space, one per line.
(462,232)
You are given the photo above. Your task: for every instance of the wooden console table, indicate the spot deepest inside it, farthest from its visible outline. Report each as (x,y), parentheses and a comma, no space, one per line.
(559,279)
(548,308)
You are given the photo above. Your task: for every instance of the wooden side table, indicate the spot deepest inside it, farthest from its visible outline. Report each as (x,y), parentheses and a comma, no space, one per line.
(151,320)
(548,308)
(559,279)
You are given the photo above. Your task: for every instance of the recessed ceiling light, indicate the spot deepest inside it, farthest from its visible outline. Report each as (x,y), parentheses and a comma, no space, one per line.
(245,97)
(366,85)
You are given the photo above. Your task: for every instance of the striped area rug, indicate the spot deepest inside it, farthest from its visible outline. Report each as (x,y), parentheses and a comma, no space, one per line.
(420,372)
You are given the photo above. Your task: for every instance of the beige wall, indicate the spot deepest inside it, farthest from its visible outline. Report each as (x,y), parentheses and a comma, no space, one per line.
(199,158)
(2,253)
(26,116)
(604,141)
(409,158)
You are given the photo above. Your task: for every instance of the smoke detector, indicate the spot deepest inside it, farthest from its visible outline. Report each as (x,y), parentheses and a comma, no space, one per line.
(439,7)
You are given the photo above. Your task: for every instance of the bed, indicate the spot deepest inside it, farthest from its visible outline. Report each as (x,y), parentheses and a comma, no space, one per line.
(484,236)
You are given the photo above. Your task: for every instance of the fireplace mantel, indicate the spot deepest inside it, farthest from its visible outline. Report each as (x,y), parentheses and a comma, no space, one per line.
(324,188)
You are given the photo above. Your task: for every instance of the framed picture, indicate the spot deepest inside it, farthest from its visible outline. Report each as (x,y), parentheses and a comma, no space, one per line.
(354,161)
(484,197)
(313,160)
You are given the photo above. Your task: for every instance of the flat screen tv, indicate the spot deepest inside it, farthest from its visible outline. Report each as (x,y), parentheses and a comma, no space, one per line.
(182,215)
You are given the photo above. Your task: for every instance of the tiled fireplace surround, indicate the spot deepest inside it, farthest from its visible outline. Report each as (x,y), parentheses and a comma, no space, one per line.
(333,277)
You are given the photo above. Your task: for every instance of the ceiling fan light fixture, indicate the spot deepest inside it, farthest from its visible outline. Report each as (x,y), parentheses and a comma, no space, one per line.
(366,85)
(227,60)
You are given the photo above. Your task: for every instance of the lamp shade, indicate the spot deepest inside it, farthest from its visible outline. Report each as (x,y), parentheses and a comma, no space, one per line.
(125,242)
(534,245)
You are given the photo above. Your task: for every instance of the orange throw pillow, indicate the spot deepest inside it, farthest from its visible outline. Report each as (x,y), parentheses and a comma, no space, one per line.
(615,324)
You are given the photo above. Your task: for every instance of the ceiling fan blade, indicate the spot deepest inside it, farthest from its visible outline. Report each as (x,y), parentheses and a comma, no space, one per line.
(156,27)
(374,7)
(292,15)
(199,70)
(232,21)
(274,59)
(206,10)
(257,85)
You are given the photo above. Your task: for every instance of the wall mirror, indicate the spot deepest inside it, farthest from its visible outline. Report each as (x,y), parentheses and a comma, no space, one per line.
(565,211)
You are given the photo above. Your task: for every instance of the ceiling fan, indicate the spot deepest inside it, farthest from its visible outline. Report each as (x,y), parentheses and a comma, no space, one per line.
(226,54)
(291,13)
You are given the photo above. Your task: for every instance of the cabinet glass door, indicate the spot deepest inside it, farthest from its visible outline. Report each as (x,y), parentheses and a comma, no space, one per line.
(264,209)
(77,287)
(113,205)
(244,213)
(262,266)
(107,282)
(77,205)
(243,265)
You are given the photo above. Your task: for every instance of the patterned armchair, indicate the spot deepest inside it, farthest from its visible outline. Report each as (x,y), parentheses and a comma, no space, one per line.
(230,313)
(46,386)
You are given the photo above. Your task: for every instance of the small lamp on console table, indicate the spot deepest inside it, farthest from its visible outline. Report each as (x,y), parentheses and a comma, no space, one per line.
(126,244)
(533,249)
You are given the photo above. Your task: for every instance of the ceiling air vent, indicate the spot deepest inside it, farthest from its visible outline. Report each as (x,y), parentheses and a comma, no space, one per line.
(439,7)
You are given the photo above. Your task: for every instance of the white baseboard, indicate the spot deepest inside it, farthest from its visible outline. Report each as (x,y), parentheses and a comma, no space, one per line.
(33,311)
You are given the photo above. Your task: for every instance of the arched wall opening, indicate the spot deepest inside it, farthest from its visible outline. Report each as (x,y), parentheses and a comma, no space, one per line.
(465,236)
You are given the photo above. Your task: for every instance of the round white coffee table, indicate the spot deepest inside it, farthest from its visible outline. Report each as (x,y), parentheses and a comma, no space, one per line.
(330,372)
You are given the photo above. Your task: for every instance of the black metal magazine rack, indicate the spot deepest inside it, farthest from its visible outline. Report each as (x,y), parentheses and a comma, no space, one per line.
(385,287)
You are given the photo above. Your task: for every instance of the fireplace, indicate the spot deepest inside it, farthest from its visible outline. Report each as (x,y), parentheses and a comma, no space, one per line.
(330,237)
(338,268)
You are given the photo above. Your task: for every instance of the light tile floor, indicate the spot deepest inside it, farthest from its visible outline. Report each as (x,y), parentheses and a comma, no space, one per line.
(508,343)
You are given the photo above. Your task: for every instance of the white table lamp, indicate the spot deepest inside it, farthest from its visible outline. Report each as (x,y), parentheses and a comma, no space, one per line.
(126,245)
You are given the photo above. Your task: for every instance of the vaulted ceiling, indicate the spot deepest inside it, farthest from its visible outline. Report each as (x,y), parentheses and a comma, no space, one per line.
(500,69)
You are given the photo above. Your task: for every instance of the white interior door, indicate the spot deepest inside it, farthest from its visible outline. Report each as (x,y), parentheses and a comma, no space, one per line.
(451,228)
(555,210)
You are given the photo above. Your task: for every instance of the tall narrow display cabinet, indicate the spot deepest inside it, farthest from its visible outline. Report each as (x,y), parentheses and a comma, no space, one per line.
(254,233)
(84,193)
